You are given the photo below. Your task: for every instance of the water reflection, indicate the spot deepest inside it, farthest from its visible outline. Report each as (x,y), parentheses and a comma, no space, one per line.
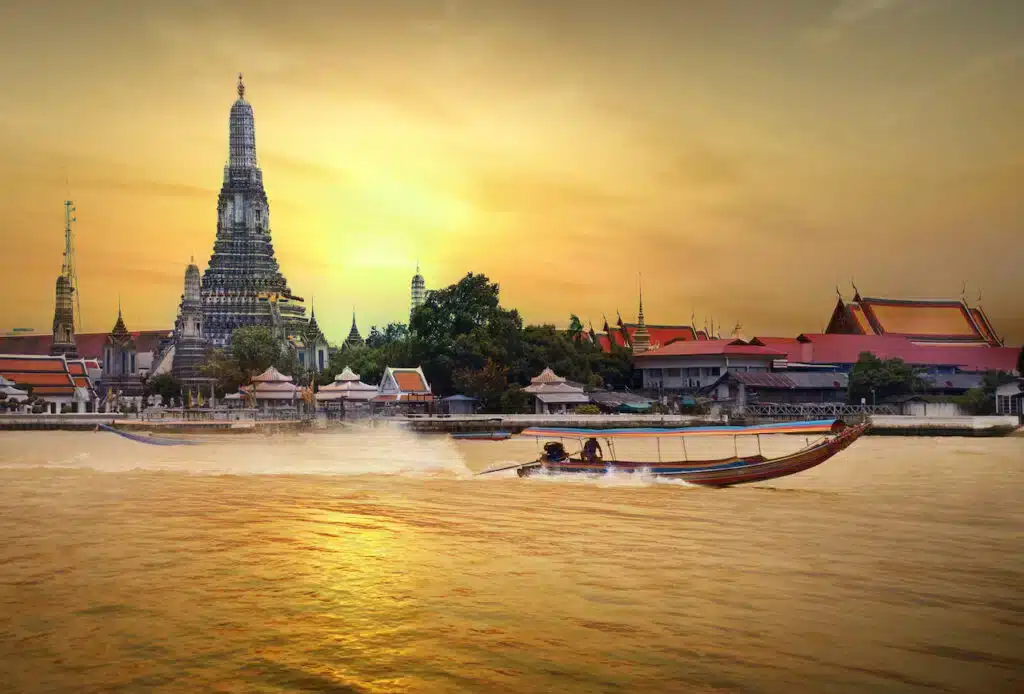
(372,560)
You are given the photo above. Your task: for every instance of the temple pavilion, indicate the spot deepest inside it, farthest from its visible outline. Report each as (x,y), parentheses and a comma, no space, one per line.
(553,394)
(271,390)
(346,388)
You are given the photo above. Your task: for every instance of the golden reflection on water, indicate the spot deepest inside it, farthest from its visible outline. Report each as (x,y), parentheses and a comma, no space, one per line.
(373,560)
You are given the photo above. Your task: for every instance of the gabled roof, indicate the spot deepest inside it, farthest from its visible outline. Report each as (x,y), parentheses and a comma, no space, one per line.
(406,380)
(921,320)
(686,348)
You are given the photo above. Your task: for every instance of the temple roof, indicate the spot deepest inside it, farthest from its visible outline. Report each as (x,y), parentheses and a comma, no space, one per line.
(919,320)
(347,374)
(354,338)
(88,345)
(695,348)
(119,335)
(407,380)
(546,376)
(45,375)
(312,333)
(272,375)
(660,335)
(840,349)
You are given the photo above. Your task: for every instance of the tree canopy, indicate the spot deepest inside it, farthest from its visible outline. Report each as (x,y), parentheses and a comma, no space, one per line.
(875,379)
(468,343)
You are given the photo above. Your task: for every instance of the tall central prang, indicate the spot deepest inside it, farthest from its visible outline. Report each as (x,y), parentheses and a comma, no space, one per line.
(243,284)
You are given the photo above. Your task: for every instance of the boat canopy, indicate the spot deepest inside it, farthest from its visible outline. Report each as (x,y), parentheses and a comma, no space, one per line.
(820,426)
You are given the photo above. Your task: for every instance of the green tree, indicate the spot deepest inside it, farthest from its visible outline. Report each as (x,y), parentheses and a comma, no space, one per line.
(487,384)
(461,327)
(165,385)
(515,400)
(982,400)
(220,366)
(254,349)
(875,379)
(394,332)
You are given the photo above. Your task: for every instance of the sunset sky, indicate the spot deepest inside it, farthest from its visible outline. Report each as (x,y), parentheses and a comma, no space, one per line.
(745,156)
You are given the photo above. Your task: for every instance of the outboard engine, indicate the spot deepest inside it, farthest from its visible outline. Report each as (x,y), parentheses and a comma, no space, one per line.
(554,450)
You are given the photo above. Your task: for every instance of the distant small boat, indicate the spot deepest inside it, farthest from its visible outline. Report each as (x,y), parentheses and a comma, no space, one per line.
(483,435)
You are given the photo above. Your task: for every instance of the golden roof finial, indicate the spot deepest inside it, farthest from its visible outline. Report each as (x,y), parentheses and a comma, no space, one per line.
(241,87)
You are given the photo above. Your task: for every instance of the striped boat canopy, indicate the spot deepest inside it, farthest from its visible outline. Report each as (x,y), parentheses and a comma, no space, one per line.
(820,426)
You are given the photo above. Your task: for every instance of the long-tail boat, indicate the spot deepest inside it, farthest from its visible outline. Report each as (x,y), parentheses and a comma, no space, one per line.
(832,436)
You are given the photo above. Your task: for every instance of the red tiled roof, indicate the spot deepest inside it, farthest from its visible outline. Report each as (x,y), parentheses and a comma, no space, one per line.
(846,349)
(795,351)
(88,345)
(660,335)
(76,368)
(691,348)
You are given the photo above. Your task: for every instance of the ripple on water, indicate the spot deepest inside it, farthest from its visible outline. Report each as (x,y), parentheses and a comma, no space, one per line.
(373,561)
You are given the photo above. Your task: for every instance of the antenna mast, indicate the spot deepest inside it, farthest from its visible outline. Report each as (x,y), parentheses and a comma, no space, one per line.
(69,260)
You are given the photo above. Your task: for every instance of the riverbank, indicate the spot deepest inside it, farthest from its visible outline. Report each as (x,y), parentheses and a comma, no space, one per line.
(89,422)
(883,425)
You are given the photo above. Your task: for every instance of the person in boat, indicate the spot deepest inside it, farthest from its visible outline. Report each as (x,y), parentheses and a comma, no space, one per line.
(553,451)
(592,450)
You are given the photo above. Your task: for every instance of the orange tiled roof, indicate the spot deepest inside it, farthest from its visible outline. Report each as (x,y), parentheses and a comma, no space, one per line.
(926,321)
(39,379)
(409,381)
(946,319)
(45,365)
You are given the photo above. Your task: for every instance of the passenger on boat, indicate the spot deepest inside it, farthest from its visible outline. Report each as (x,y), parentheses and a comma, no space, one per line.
(592,450)
(553,451)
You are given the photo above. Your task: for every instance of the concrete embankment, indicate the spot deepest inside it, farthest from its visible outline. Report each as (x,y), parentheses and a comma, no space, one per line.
(893,425)
(887,425)
(515,423)
(89,422)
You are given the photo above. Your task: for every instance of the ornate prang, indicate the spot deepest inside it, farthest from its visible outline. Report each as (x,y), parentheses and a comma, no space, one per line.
(243,284)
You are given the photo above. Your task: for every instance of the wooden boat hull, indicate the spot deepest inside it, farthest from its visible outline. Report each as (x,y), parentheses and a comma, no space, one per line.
(725,472)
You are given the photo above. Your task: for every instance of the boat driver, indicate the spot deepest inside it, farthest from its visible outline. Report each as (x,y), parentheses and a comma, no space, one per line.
(592,450)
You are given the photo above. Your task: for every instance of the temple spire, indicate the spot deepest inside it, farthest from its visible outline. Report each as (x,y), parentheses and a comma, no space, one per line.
(641,336)
(241,87)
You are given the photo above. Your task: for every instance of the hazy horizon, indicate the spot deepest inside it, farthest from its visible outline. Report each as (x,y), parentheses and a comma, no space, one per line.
(746,159)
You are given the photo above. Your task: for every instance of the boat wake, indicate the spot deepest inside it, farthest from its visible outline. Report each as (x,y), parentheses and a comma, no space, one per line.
(350,451)
(609,478)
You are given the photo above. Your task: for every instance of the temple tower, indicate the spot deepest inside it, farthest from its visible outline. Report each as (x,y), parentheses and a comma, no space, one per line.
(419,290)
(190,344)
(243,284)
(65,299)
(354,339)
(641,337)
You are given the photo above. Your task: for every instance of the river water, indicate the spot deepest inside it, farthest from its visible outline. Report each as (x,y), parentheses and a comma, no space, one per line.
(371,560)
